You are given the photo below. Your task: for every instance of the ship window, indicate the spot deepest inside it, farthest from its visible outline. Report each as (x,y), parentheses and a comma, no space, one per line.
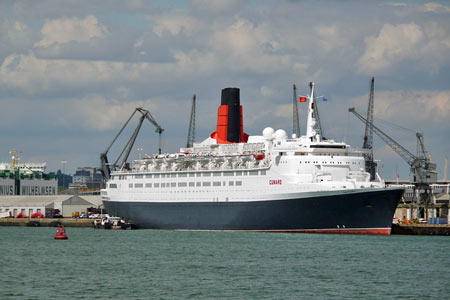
(253,173)
(238,183)
(244,173)
(191,183)
(206,183)
(172,175)
(207,174)
(138,176)
(148,176)
(217,173)
(228,173)
(191,174)
(138,185)
(199,174)
(182,175)
(148,185)
(199,184)
(238,173)
(130,185)
(216,183)
(156,185)
(163,175)
(173,184)
(156,175)
(163,184)
(182,184)
(113,186)
(263,172)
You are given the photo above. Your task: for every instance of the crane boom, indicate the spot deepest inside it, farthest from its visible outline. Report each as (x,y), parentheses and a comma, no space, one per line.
(295,118)
(191,131)
(105,167)
(422,171)
(368,135)
(404,153)
(371,166)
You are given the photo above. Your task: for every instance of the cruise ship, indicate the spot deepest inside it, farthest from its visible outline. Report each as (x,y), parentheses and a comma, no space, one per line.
(264,183)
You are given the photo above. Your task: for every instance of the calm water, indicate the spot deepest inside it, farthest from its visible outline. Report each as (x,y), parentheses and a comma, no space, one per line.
(148,264)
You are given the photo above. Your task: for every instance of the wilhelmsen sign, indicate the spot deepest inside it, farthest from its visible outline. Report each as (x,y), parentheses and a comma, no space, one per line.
(28,187)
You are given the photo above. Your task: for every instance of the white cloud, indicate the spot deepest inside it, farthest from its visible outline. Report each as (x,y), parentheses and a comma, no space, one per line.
(412,108)
(91,113)
(435,7)
(426,46)
(60,31)
(246,47)
(392,45)
(33,75)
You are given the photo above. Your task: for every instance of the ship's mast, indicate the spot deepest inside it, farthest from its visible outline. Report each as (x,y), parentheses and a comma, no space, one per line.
(313,128)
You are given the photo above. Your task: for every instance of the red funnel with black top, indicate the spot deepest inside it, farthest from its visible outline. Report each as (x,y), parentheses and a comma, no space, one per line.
(230,128)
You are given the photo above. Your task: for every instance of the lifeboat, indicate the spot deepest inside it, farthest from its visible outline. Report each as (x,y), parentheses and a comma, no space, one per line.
(259,156)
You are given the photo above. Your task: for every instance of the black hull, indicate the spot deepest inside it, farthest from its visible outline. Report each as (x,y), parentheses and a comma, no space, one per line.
(364,211)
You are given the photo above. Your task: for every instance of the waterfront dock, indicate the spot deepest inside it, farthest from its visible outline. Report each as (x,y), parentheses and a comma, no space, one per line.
(421,229)
(47,222)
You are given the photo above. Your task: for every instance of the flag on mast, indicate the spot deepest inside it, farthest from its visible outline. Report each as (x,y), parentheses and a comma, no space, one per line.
(303,99)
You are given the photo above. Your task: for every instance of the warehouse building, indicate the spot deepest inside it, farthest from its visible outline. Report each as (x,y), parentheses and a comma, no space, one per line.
(65,204)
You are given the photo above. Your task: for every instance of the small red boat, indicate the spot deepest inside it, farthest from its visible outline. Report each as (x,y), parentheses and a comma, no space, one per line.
(61,233)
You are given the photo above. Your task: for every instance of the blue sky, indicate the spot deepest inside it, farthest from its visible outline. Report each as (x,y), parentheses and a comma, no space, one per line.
(72,72)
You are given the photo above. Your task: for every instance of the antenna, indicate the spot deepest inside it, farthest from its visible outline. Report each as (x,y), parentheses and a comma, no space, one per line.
(295,118)
(191,132)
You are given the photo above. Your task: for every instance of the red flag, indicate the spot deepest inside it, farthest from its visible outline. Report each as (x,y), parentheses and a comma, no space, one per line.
(303,99)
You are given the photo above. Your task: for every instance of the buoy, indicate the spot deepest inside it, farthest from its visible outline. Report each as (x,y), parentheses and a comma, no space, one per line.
(61,233)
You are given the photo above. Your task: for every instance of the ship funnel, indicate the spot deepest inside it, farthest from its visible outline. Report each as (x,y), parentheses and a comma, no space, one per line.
(230,127)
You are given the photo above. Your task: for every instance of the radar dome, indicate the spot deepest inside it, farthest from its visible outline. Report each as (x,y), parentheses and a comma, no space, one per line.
(280,134)
(268,133)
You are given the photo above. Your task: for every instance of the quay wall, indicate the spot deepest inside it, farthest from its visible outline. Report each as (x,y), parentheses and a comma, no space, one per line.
(46,222)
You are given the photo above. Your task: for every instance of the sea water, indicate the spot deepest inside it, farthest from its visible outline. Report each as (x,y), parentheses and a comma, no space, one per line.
(161,264)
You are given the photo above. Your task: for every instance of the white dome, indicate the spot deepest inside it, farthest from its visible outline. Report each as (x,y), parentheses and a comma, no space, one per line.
(280,134)
(268,133)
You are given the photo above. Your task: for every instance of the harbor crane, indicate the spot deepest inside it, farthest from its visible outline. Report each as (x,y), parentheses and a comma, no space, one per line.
(370,164)
(191,131)
(422,169)
(295,118)
(106,167)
